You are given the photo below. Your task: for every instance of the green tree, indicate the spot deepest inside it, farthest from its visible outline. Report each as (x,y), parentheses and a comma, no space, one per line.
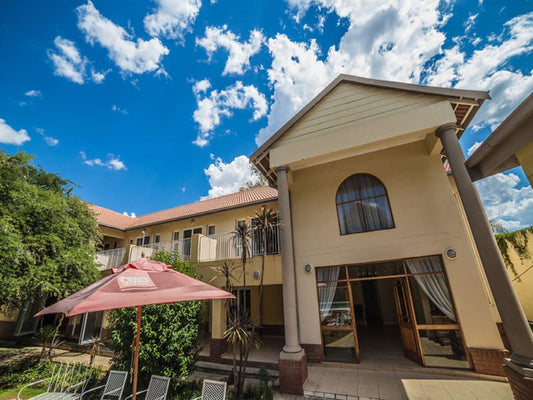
(47,235)
(257,180)
(169,334)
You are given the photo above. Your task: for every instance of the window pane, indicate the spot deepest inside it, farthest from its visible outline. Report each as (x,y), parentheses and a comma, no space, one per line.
(348,190)
(334,301)
(372,270)
(176,236)
(197,230)
(377,213)
(351,217)
(432,302)
(339,346)
(443,348)
(187,234)
(211,230)
(369,186)
(330,273)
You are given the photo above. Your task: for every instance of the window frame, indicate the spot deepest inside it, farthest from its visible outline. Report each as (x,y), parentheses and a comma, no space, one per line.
(362,199)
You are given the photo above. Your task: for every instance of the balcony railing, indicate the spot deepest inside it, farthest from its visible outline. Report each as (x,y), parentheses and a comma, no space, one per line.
(113,258)
(220,246)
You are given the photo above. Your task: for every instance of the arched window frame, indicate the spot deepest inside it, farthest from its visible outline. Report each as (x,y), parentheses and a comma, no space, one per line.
(365,217)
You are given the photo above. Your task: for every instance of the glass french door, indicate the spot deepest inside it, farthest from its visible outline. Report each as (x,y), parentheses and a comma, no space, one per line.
(406,322)
(337,321)
(88,327)
(26,323)
(186,242)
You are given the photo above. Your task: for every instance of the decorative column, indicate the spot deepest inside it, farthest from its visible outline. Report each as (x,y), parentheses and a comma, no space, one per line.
(292,360)
(513,317)
(218,344)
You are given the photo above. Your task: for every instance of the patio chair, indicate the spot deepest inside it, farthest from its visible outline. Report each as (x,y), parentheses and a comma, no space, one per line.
(213,390)
(66,382)
(157,388)
(116,380)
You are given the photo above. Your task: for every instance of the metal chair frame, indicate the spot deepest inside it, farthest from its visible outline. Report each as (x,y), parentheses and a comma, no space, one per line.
(157,388)
(212,390)
(114,387)
(59,383)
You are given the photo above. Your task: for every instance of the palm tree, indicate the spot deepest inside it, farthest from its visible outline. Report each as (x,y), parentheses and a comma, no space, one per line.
(228,272)
(264,221)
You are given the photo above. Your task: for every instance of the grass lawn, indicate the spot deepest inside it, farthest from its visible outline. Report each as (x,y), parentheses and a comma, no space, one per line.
(10,394)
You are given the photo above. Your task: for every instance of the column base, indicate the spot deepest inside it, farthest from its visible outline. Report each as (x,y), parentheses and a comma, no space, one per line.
(217,347)
(489,361)
(520,380)
(292,372)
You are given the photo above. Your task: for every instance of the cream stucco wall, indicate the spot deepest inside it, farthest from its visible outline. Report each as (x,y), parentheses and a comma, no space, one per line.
(522,278)
(427,221)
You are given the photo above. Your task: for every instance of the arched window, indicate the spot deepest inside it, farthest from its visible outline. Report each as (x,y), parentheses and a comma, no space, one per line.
(363,205)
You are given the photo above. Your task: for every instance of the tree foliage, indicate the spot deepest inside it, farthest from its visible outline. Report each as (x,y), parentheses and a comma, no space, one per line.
(47,235)
(257,180)
(169,334)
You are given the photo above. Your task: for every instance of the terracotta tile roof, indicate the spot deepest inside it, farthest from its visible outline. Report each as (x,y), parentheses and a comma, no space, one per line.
(240,199)
(111,218)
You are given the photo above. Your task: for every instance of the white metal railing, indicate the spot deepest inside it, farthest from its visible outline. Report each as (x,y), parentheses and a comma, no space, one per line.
(227,246)
(113,258)
(220,246)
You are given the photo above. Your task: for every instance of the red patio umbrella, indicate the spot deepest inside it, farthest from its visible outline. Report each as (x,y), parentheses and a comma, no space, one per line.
(138,283)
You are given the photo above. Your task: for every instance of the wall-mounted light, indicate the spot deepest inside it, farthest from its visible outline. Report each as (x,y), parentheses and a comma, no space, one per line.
(257,274)
(450,253)
(192,221)
(308,268)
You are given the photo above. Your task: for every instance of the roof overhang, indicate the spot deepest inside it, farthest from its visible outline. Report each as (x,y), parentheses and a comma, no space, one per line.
(498,152)
(465,104)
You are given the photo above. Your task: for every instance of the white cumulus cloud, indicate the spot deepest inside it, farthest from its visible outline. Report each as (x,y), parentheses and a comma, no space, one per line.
(506,200)
(130,56)
(113,162)
(212,106)
(33,93)
(239,52)
(402,41)
(68,61)
(8,135)
(487,68)
(226,178)
(131,214)
(473,148)
(172,18)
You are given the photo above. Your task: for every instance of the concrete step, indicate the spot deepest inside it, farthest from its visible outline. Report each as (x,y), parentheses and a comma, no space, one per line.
(225,369)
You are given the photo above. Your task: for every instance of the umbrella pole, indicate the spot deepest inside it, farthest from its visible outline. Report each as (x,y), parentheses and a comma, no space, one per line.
(136,355)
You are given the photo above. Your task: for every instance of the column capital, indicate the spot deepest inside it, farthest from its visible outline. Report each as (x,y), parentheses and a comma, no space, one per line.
(443,128)
(282,168)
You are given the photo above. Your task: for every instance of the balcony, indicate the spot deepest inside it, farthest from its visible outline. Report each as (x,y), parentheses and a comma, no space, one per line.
(201,248)
(111,258)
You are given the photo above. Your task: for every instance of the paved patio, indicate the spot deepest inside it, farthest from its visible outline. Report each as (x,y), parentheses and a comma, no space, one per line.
(355,382)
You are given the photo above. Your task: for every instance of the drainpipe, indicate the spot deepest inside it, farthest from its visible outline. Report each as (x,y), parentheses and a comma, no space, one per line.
(513,317)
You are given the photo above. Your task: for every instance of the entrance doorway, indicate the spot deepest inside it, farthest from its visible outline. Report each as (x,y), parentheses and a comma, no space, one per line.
(396,310)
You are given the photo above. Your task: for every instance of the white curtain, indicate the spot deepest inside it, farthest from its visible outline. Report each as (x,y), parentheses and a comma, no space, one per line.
(362,205)
(434,285)
(326,291)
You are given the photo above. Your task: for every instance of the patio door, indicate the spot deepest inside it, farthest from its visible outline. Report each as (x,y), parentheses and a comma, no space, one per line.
(26,323)
(187,237)
(406,322)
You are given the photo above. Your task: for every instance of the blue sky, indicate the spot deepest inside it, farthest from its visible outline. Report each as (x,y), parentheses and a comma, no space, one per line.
(151,104)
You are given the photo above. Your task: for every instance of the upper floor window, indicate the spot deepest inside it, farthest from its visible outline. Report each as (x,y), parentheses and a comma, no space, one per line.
(363,205)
